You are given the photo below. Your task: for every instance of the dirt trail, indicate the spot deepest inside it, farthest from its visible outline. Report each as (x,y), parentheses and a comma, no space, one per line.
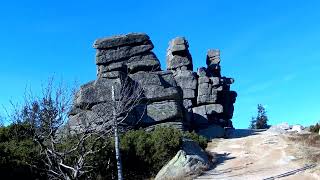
(256,155)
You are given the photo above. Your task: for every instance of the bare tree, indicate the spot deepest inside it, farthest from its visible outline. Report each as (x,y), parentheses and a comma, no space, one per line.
(48,119)
(1,121)
(130,96)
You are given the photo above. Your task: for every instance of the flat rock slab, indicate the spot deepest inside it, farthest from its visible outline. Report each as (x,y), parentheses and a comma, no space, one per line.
(120,40)
(121,53)
(143,62)
(208,109)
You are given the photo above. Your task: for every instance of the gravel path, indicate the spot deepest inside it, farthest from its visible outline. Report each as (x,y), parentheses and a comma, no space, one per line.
(255,155)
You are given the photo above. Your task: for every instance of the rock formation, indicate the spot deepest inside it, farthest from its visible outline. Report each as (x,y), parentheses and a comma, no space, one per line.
(177,97)
(214,99)
(188,163)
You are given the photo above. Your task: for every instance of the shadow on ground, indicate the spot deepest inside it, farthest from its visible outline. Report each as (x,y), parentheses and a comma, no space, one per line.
(219,159)
(240,133)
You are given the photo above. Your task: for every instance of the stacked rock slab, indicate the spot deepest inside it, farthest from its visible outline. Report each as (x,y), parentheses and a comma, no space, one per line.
(179,61)
(123,60)
(215,100)
(176,97)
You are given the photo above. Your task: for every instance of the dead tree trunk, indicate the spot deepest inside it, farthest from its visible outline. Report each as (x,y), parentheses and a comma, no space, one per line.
(116,138)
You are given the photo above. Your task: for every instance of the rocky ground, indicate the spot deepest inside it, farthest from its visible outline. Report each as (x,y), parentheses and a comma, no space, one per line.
(259,155)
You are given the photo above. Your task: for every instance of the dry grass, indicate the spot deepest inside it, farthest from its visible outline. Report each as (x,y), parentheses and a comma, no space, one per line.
(309,146)
(312,139)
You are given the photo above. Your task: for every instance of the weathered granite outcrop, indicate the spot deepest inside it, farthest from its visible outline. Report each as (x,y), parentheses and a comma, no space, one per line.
(214,99)
(176,97)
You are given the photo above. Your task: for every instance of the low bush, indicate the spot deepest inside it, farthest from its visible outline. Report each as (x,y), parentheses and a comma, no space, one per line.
(17,153)
(143,153)
(315,128)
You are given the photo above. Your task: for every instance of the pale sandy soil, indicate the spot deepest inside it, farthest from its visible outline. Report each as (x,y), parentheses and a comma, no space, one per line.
(257,156)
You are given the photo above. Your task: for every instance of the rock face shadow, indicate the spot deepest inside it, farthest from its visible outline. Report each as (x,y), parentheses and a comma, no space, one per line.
(240,133)
(217,160)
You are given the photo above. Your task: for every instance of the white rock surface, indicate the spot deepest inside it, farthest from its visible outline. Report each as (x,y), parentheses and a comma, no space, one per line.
(297,128)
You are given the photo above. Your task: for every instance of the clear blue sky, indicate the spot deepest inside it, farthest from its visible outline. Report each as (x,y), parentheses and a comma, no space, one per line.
(271,48)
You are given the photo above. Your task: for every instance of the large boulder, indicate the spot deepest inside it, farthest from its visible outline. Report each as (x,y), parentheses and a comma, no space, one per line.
(163,111)
(187,163)
(98,91)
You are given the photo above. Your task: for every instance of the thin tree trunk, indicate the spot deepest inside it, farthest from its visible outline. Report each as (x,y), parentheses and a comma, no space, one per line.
(118,155)
(116,139)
